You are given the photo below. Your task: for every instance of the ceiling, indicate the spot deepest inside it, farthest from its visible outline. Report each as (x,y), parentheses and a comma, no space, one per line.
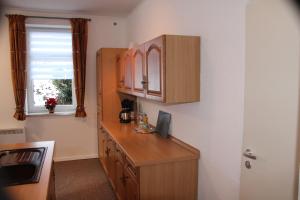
(93,7)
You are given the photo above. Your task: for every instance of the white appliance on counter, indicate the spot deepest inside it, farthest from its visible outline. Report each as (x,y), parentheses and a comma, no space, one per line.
(13,135)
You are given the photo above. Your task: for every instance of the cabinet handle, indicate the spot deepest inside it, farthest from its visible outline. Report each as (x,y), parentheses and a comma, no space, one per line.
(144,82)
(124,178)
(107,151)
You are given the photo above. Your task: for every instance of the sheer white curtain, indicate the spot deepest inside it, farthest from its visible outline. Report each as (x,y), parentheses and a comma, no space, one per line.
(50,53)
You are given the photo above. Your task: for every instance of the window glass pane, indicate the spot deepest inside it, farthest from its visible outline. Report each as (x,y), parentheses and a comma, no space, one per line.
(64,88)
(57,88)
(50,67)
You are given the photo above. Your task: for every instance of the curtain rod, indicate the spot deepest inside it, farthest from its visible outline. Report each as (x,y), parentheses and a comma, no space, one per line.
(43,17)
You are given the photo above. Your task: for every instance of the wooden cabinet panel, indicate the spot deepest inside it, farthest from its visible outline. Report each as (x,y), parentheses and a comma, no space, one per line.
(99,100)
(120,188)
(101,140)
(120,72)
(111,167)
(98,71)
(107,83)
(131,186)
(138,71)
(103,153)
(51,189)
(155,68)
(99,117)
(119,155)
(128,71)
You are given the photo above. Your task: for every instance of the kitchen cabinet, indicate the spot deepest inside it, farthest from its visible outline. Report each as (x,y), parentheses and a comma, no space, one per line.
(107,81)
(108,101)
(166,69)
(44,189)
(149,167)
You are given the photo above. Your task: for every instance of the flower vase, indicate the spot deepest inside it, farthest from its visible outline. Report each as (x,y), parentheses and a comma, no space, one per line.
(51,109)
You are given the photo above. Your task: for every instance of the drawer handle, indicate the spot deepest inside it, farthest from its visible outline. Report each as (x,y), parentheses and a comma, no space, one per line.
(107,151)
(124,178)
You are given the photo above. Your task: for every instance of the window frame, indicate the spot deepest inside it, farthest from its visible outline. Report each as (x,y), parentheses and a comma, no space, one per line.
(30,107)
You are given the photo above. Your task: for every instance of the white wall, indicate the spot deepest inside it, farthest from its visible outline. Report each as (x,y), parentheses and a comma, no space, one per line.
(75,137)
(214,125)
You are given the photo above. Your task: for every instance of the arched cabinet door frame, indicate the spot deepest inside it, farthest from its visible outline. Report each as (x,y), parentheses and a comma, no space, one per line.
(136,88)
(156,94)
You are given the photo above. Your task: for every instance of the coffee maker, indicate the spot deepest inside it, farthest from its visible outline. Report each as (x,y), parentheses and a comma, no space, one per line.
(127,108)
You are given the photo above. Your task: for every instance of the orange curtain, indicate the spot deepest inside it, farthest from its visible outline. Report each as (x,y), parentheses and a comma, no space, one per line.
(79,37)
(17,38)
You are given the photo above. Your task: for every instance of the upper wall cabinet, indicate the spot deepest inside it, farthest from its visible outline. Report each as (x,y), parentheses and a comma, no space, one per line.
(165,69)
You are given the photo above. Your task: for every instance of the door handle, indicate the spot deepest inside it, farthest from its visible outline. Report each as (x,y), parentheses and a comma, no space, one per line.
(249,154)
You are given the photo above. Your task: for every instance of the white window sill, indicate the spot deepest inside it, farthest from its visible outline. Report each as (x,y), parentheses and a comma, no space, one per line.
(51,114)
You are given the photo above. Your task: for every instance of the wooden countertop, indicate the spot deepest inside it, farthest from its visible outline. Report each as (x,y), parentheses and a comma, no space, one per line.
(38,190)
(147,149)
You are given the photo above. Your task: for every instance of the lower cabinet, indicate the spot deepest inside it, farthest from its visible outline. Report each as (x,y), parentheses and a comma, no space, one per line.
(121,174)
(172,180)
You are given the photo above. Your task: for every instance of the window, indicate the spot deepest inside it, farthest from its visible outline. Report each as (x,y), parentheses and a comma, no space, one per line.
(50,68)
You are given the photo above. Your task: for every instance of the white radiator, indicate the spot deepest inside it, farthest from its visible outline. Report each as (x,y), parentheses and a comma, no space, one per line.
(15,135)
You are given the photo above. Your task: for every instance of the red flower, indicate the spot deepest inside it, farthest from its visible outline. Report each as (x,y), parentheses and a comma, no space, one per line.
(50,102)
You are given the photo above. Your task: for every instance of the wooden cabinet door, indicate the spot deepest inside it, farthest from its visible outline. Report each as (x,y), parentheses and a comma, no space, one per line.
(111,167)
(98,71)
(155,68)
(138,71)
(104,159)
(120,188)
(131,186)
(51,189)
(128,71)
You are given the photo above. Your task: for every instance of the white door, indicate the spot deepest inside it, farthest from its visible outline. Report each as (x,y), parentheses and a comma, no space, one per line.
(269,169)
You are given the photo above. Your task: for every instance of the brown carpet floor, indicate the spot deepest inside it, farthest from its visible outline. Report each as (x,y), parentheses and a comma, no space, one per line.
(81,180)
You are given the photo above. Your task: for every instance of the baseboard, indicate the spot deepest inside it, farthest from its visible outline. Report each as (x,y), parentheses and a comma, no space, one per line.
(77,157)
